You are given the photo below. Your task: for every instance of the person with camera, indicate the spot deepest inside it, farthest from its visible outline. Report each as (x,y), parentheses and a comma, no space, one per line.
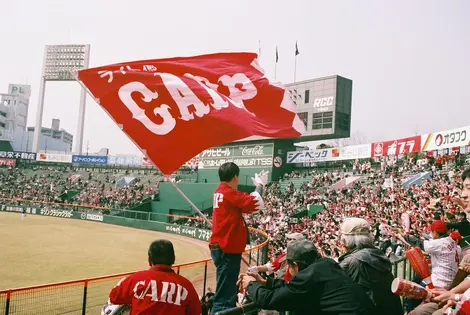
(318,285)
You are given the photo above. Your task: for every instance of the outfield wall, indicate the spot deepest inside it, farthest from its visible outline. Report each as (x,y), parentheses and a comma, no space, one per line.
(196,233)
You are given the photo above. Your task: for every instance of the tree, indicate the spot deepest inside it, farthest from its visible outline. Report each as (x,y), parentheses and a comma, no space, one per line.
(355,139)
(324,146)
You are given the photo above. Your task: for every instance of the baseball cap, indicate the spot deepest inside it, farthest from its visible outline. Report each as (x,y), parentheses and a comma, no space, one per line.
(438,226)
(295,236)
(355,226)
(456,236)
(302,251)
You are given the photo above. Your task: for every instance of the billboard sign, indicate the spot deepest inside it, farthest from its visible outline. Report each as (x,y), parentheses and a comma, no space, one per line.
(56,158)
(396,147)
(90,159)
(8,162)
(309,156)
(126,160)
(248,155)
(18,155)
(353,152)
(19,89)
(446,139)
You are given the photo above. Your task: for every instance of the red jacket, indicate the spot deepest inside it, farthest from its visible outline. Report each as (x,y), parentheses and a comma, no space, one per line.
(158,290)
(228,227)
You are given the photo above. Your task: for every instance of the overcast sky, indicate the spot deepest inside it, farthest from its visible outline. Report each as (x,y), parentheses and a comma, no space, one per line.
(409,60)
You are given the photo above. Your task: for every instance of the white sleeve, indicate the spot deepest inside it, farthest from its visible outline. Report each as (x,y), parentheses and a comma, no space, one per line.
(431,246)
(259,200)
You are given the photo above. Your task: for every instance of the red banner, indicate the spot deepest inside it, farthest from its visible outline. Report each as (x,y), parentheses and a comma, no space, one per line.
(8,162)
(175,108)
(396,147)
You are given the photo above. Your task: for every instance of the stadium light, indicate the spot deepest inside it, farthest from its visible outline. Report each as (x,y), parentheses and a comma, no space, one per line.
(58,65)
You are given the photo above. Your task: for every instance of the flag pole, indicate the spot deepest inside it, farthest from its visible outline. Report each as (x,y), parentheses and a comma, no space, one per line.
(275,71)
(259,48)
(75,74)
(275,64)
(295,68)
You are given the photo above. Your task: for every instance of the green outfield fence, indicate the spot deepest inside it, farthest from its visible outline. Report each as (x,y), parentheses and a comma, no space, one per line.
(87,296)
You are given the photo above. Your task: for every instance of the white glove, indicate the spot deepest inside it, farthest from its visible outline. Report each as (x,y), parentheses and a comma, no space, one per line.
(260,179)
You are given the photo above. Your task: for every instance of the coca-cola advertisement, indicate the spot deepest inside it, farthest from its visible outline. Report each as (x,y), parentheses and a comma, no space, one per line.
(396,147)
(245,155)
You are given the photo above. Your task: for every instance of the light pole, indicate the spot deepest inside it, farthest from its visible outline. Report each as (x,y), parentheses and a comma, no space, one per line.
(58,63)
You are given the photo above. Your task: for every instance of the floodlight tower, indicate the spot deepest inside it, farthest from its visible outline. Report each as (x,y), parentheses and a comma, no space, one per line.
(58,63)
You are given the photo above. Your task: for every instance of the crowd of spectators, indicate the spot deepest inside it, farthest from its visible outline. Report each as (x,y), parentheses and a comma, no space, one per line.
(96,188)
(371,198)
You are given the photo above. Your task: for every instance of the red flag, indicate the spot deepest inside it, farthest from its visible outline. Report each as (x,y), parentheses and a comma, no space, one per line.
(175,108)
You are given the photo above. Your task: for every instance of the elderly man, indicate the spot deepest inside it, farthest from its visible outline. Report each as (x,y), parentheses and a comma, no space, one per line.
(318,286)
(367,265)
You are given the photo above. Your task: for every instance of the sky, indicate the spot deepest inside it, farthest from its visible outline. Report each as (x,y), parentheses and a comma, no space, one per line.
(409,60)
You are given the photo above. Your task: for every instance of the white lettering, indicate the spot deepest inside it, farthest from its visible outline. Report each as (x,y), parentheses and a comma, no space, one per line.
(183,97)
(240,87)
(218,101)
(181,294)
(125,94)
(151,286)
(168,295)
(140,296)
(256,150)
(323,102)
(217,198)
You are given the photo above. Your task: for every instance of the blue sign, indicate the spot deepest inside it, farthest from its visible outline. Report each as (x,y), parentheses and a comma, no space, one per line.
(90,159)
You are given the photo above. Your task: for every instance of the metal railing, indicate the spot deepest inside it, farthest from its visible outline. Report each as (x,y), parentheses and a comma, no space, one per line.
(87,296)
(400,266)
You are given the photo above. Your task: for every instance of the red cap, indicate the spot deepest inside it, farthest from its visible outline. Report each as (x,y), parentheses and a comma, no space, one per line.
(438,226)
(456,236)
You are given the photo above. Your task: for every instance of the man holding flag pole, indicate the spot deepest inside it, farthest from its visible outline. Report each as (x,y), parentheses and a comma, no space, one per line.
(186,105)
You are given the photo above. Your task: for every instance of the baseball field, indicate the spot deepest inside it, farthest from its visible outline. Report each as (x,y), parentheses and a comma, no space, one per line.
(41,250)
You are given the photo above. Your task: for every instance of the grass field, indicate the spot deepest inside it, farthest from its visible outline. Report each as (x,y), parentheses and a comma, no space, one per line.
(42,250)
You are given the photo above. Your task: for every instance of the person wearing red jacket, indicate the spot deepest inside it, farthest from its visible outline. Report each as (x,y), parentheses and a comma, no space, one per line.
(158,290)
(230,232)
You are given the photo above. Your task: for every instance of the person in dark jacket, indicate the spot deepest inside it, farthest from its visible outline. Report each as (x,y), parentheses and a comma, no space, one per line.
(318,287)
(463,226)
(367,266)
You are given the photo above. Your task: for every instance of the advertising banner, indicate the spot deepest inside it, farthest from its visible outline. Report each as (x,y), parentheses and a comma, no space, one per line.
(56,213)
(200,234)
(255,155)
(309,156)
(396,147)
(125,160)
(353,152)
(446,139)
(90,159)
(146,161)
(57,158)
(8,162)
(18,155)
(91,217)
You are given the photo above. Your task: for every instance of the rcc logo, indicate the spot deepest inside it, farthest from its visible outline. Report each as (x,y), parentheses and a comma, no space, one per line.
(323,102)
